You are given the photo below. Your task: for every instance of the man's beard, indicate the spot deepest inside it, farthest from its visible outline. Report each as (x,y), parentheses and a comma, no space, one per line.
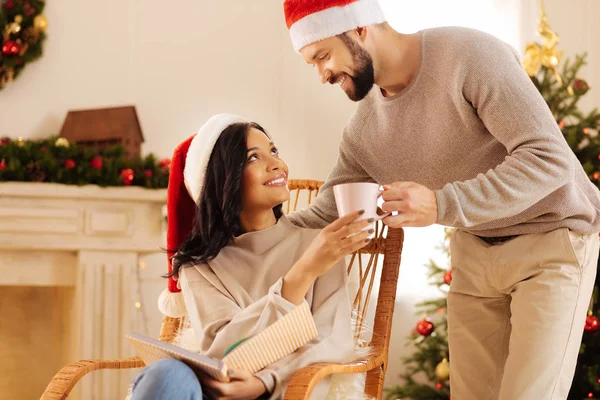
(364,73)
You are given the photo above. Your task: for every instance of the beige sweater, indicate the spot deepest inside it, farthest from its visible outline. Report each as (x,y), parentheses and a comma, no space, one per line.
(471,126)
(238,294)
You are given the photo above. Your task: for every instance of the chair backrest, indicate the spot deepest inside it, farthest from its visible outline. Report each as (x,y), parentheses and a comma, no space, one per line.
(364,264)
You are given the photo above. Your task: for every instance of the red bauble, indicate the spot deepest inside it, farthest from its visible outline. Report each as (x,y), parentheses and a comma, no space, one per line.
(127,176)
(96,162)
(10,48)
(425,327)
(439,385)
(3,165)
(148,173)
(591,324)
(448,277)
(70,164)
(4,141)
(9,5)
(165,163)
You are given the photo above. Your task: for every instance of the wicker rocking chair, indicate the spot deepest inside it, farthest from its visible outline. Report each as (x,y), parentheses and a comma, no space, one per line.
(387,242)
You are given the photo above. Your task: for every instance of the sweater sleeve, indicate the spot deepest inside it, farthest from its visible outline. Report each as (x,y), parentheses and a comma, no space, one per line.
(539,160)
(323,209)
(217,320)
(334,343)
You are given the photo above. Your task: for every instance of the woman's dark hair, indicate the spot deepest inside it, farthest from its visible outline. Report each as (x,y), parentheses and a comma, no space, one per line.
(217,219)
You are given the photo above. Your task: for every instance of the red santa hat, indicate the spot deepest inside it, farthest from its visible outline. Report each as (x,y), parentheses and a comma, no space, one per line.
(186,179)
(312,20)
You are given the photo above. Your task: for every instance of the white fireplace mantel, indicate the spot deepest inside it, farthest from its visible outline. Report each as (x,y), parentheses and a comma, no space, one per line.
(91,239)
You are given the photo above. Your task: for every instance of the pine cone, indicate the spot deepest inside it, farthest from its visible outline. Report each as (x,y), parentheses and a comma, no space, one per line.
(30,35)
(34,172)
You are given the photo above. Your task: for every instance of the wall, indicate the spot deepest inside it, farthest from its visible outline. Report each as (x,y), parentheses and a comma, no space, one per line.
(180,63)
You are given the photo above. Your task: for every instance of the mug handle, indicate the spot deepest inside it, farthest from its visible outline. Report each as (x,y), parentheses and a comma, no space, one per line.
(382,216)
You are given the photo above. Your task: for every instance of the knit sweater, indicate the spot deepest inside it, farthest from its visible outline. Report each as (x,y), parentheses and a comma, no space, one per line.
(238,294)
(472,127)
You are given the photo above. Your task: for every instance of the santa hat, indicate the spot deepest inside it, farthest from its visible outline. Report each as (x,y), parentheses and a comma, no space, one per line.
(186,179)
(312,20)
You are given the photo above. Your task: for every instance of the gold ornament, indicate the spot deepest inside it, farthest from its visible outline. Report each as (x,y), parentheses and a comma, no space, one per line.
(62,142)
(545,54)
(14,27)
(40,23)
(442,371)
(20,142)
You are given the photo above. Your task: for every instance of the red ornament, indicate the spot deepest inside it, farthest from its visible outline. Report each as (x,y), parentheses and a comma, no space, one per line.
(4,141)
(586,131)
(439,385)
(10,48)
(590,395)
(596,175)
(448,277)
(591,324)
(3,165)
(96,162)
(580,86)
(425,327)
(70,164)
(127,176)
(562,124)
(148,173)
(8,5)
(165,163)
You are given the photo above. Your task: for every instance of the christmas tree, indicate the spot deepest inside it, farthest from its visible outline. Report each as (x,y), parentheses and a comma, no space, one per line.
(426,376)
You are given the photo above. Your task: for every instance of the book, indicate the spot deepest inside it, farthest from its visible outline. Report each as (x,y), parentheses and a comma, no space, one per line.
(252,354)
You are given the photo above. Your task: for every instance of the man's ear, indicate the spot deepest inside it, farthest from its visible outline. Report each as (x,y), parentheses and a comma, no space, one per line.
(361,31)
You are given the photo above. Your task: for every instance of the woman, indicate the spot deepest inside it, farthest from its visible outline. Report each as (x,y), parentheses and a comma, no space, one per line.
(245,266)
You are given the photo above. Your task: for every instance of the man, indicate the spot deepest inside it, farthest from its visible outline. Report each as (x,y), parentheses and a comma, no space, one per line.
(456,132)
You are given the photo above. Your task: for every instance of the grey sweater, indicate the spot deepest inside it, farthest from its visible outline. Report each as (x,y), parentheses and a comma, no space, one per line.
(472,127)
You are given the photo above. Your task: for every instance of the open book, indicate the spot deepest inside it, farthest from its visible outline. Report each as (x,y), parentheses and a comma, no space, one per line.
(280,339)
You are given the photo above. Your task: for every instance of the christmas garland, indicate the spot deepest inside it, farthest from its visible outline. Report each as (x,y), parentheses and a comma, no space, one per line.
(56,160)
(22,28)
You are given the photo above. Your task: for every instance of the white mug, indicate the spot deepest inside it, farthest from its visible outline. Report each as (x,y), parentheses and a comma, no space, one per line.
(351,197)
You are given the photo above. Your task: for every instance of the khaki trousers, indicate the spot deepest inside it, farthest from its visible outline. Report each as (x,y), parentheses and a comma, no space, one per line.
(516,313)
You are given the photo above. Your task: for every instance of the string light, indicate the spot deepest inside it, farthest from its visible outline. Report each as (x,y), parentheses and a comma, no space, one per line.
(590,395)
(138,304)
(596,175)
(586,131)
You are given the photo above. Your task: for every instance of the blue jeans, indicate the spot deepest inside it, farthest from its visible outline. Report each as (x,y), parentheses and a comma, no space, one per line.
(167,379)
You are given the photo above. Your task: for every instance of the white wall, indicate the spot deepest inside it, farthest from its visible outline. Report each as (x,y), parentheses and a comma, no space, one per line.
(180,63)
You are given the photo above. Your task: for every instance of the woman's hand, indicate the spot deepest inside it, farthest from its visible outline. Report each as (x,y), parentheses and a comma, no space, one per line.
(338,239)
(243,386)
(342,237)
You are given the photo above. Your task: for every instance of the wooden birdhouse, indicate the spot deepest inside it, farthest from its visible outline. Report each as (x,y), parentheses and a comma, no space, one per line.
(105,127)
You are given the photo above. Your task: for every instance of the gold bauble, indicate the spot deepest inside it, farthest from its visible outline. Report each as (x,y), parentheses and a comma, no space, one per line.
(18,18)
(40,23)
(442,371)
(61,142)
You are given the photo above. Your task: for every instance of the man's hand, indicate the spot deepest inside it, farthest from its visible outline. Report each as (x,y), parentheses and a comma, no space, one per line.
(242,386)
(416,205)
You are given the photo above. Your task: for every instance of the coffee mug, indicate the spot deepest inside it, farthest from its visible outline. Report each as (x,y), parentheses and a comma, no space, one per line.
(351,197)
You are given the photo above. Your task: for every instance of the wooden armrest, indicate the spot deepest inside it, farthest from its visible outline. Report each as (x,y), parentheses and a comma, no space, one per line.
(63,382)
(304,381)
